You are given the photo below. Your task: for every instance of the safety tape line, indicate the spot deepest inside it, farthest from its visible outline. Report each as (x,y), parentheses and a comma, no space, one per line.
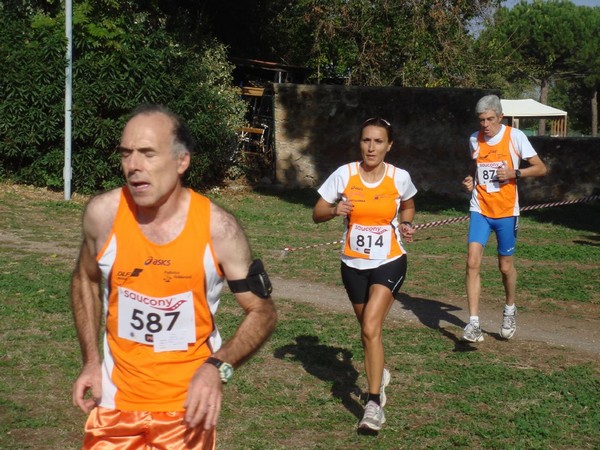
(438,223)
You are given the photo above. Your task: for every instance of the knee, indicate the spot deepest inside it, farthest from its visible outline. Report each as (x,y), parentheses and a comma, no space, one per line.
(473,263)
(371,332)
(506,268)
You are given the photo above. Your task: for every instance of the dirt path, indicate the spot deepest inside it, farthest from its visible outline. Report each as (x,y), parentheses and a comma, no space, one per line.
(448,316)
(555,329)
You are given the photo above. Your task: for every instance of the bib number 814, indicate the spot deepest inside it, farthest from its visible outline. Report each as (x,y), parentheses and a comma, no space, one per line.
(367,241)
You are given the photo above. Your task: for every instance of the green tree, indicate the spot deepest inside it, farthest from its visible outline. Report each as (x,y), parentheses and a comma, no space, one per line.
(123,56)
(534,41)
(380,42)
(585,65)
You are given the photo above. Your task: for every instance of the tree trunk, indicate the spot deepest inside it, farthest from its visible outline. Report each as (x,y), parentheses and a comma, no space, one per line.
(595,113)
(544,100)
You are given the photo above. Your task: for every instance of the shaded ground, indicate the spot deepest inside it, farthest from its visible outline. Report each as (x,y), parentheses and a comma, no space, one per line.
(450,315)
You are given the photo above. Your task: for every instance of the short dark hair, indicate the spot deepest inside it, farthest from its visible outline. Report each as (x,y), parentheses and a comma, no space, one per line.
(379,122)
(182,137)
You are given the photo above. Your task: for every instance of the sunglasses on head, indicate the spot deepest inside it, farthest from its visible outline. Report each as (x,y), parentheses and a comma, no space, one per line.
(374,119)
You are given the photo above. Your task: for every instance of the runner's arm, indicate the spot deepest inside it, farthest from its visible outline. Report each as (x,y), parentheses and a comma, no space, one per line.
(407,215)
(324,211)
(536,168)
(234,255)
(87,308)
(203,402)
(468,182)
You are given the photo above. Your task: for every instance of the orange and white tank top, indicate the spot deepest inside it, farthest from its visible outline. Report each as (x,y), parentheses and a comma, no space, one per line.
(490,197)
(372,231)
(159,302)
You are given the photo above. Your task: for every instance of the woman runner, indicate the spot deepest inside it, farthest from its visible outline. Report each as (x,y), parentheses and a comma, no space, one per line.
(369,195)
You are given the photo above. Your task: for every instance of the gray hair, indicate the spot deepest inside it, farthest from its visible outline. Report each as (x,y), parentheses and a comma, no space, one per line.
(487,103)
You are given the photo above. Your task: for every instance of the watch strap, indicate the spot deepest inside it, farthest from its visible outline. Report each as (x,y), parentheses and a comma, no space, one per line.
(225,369)
(214,361)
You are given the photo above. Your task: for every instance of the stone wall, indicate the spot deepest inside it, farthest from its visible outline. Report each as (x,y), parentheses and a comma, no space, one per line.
(316,130)
(573,170)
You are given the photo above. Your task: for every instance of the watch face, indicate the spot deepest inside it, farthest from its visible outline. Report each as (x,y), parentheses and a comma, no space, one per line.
(226,371)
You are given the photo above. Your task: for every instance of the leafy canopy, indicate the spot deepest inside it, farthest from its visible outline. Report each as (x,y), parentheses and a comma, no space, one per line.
(122,56)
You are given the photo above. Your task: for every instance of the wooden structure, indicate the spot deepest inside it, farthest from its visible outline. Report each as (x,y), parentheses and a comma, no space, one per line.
(530,109)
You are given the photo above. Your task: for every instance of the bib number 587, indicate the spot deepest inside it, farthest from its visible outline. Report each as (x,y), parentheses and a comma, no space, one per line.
(152,322)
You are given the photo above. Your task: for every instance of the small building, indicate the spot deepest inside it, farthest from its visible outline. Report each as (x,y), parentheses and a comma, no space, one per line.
(514,110)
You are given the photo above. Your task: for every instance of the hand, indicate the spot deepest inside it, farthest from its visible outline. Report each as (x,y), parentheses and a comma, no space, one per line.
(504,173)
(407,232)
(343,208)
(468,183)
(203,402)
(90,379)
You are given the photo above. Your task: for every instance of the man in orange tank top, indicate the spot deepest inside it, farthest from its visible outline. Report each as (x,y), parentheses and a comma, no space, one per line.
(496,152)
(151,267)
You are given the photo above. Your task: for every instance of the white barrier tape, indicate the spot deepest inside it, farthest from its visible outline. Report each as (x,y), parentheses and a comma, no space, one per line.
(438,223)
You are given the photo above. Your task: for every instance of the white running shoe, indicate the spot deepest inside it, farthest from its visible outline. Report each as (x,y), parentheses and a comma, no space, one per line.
(472,333)
(509,325)
(385,380)
(373,418)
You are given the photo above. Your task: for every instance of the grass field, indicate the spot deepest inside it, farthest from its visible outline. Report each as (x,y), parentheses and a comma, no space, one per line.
(302,390)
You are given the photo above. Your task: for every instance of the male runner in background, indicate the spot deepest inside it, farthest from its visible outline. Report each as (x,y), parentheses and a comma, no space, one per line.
(496,151)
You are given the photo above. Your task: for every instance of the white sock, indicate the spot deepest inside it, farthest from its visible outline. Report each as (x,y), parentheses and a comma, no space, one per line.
(510,309)
(474,320)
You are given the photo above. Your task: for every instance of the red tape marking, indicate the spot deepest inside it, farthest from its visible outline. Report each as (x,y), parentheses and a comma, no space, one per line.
(439,223)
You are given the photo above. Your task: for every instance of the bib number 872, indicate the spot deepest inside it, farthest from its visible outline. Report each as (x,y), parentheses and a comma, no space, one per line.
(489,175)
(152,322)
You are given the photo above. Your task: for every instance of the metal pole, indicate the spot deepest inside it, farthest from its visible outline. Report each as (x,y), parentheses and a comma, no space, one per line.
(67,171)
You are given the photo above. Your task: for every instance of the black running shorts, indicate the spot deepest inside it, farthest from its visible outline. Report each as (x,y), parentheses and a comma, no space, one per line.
(357,282)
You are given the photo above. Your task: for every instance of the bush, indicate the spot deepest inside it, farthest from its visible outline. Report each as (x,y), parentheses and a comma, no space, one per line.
(117,65)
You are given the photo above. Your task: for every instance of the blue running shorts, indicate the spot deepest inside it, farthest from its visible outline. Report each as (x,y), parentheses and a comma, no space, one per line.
(505,228)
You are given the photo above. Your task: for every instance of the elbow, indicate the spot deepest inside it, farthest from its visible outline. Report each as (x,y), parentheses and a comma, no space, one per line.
(541,171)
(270,317)
(273,321)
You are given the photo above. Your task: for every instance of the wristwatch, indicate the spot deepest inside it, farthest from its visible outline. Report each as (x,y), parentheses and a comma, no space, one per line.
(225,369)
(517,174)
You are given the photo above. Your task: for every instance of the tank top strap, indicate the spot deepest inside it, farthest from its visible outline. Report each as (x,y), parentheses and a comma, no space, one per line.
(507,134)
(353,168)
(390,171)
(126,213)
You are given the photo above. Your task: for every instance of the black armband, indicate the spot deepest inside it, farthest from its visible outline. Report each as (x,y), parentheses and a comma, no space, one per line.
(257,281)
